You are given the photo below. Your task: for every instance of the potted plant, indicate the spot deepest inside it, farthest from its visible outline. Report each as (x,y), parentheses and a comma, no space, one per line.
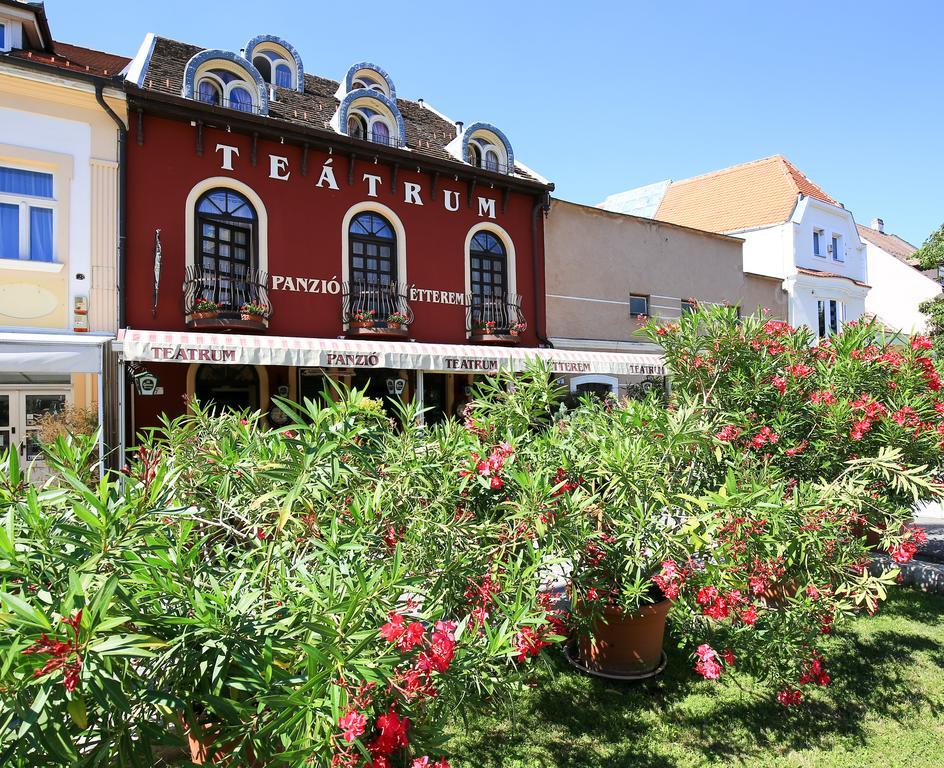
(518,328)
(397,320)
(252,311)
(205,309)
(632,458)
(485,328)
(362,318)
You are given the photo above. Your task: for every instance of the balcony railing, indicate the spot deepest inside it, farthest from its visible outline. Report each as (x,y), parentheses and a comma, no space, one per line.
(368,307)
(497,315)
(387,141)
(229,293)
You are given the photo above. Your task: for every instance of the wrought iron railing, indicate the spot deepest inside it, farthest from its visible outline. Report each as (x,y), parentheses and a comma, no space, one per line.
(227,291)
(375,301)
(387,141)
(251,107)
(502,310)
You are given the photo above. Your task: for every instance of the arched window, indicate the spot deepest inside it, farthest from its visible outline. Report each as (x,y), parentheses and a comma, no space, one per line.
(264,65)
(380,133)
(209,92)
(356,127)
(488,266)
(227,387)
(492,163)
(240,99)
(373,249)
(475,157)
(283,75)
(226,88)
(226,247)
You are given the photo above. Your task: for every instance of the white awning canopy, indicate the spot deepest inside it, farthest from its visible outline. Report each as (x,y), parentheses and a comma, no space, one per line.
(51,352)
(241,349)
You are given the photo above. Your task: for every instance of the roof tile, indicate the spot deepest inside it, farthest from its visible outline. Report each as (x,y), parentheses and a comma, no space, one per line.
(741,197)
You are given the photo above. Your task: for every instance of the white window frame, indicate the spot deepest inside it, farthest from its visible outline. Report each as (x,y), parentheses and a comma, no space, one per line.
(836,245)
(205,72)
(485,146)
(24,203)
(818,237)
(370,121)
(273,63)
(840,316)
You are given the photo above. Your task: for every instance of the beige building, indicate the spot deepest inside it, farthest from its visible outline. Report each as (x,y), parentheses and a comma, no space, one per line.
(607,272)
(60,109)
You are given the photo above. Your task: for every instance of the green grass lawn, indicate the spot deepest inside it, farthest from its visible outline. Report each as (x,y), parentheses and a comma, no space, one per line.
(884,708)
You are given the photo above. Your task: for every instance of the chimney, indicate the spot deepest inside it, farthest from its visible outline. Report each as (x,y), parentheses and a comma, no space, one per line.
(421,103)
(879,225)
(459,125)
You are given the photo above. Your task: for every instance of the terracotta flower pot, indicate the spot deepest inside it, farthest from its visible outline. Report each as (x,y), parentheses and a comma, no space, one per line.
(251,316)
(200,745)
(362,323)
(203,315)
(514,332)
(394,326)
(777,594)
(622,643)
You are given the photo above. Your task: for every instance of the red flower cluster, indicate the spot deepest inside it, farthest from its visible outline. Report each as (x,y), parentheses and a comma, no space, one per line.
(800,370)
(912,537)
(670,579)
(871,411)
(406,636)
(64,653)
(779,383)
(823,396)
(930,373)
(491,467)
(728,433)
(815,672)
(920,342)
(707,664)
(763,437)
(529,642)
(566,485)
(423,762)
(789,697)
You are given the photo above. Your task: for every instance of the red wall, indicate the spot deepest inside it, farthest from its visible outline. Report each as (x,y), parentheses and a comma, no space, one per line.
(305,229)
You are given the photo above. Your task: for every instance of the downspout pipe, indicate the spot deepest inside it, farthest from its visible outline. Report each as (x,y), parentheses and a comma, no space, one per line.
(117,451)
(543,203)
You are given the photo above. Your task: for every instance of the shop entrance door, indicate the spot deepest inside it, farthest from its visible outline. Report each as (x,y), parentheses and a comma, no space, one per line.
(20,414)
(434,397)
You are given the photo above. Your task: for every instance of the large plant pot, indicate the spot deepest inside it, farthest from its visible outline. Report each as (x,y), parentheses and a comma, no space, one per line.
(204,315)
(623,644)
(362,324)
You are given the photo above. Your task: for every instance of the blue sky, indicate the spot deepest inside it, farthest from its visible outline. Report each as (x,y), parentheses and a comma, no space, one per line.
(604,96)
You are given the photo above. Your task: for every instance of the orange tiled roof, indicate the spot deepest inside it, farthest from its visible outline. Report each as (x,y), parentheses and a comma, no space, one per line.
(896,246)
(820,273)
(740,197)
(75,58)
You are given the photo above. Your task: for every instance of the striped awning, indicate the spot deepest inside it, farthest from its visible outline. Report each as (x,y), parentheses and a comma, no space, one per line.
(242,349)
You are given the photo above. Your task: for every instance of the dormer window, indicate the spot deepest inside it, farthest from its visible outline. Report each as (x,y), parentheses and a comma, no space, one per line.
(277,61)
(369,83)
(482,153)
(224,79)
(356,127)
(221,87)
(371,120)
(274,69)
(483,146)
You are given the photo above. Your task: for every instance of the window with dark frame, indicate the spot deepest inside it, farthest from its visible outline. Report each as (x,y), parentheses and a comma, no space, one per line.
(373,251)
(488,266)
(829,316)
(817,242)
(638,305)
(838,255)
(226,245)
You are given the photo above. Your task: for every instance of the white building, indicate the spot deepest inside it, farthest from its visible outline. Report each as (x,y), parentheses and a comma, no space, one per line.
(792,230)
(899,285)
(60,108)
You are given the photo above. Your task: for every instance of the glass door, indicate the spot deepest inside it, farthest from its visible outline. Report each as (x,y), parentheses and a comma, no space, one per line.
(8,433)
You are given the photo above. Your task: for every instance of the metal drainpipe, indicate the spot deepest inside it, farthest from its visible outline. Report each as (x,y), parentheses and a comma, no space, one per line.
(543,204)
(122,214)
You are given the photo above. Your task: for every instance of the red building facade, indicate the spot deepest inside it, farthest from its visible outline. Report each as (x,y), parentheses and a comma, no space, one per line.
(282,227)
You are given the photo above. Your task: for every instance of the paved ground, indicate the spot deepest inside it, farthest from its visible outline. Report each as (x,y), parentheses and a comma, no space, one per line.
(931,518)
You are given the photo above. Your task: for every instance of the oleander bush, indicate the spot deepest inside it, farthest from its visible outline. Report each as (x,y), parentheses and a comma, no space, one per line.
(330,592)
